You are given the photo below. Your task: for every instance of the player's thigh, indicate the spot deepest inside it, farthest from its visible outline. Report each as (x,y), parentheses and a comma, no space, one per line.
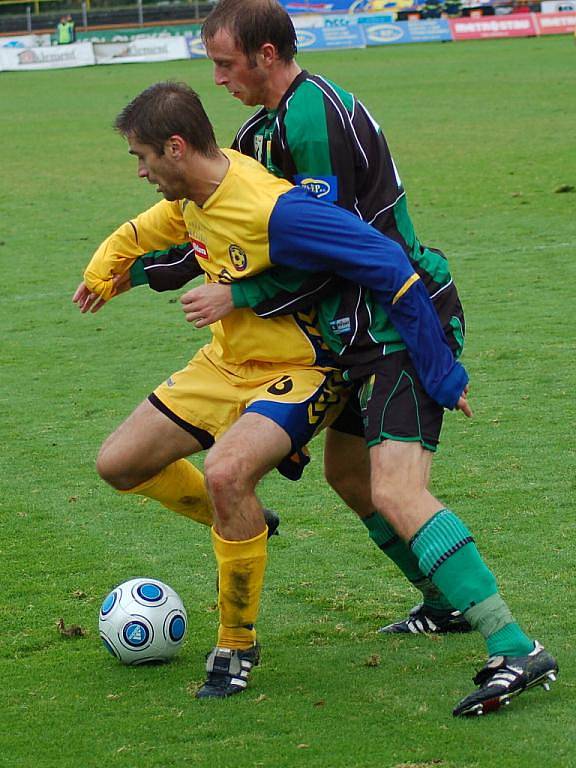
(249,449)
(346,455)
(145,443)
(346,458)
(301,401)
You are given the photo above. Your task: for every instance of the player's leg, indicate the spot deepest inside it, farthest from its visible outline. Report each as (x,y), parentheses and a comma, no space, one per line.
(347,468)
(277,421)
(382,407)
(182,416)
(448,555)
(145,456)
(248,450)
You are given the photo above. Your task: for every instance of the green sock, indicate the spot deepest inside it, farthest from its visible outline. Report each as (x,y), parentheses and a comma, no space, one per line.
(447,553)
(388,541)
(493,619)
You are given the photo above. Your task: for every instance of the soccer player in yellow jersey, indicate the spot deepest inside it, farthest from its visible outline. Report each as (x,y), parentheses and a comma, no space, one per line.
(262,387)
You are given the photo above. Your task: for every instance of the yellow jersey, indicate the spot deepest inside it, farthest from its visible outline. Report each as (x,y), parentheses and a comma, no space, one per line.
(229,235)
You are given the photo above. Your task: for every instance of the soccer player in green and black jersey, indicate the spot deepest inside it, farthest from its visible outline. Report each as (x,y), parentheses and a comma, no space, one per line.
(321,137)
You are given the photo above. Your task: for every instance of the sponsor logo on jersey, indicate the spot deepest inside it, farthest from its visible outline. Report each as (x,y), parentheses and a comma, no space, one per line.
(325,187)
(238,258)
(341,325)
(199,249)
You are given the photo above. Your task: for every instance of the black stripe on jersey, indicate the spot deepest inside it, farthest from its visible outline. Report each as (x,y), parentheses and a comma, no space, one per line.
(346,117)
(247,130)
(286,303)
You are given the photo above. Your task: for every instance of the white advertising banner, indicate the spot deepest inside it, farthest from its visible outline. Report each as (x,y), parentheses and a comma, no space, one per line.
(557,6)
(144,49)
(55,57)
(25,41)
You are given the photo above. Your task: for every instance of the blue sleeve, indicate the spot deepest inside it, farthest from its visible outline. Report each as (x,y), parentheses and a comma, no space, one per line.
(319,237)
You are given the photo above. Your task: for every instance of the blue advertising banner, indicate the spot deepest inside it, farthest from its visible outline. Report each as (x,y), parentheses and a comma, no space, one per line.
(420,31)
(195,45)
(322,38)
(347,6)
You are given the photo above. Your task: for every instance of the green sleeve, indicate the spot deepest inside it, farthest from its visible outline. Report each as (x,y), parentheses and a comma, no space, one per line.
(239,295)
(138,274)
(279,291)
(252,292)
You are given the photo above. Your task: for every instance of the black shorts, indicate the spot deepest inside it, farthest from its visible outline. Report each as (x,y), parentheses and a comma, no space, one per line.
(391,404)
(349,420)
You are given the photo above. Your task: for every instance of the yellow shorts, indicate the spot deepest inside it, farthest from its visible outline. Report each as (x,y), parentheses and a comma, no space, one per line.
(207,397)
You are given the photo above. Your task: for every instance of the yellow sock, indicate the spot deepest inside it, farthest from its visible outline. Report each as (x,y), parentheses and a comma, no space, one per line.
(181,488)
(241,566)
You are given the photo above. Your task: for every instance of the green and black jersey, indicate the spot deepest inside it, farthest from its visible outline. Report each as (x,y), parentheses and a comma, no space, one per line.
(323,138)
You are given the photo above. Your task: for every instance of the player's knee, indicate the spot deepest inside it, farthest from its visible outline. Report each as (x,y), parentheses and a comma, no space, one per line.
(222,477)
(387,498)
(113,470)
(229,477)
(106,467)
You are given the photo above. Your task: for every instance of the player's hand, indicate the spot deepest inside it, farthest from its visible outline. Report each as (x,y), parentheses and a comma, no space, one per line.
(91,302)
(86,300)
(207,303)
(463,404)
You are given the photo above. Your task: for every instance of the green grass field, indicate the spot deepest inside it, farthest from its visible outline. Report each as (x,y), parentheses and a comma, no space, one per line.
(483,134)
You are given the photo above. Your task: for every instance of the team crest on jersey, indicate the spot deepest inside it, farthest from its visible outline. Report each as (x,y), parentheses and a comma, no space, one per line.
(238,258)
(199,249)
(325,187)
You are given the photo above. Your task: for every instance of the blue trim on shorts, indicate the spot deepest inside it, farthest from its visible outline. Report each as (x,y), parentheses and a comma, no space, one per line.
(292,417)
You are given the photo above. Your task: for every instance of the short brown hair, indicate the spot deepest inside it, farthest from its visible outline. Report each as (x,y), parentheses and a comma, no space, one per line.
(252,23)
(166,109)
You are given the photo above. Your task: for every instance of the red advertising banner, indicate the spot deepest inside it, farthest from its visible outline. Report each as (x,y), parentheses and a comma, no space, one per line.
(556,23)
(513,25)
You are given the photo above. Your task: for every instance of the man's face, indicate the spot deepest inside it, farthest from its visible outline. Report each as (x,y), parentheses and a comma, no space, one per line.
(246,80)
(161,170)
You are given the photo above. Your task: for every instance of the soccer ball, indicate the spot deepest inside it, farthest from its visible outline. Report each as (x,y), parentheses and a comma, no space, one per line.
(142,620)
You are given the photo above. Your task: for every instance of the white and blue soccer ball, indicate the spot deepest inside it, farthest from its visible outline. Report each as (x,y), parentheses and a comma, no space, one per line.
(143,620)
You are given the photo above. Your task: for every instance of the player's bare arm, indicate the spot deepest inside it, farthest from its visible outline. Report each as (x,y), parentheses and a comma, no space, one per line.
(207,303)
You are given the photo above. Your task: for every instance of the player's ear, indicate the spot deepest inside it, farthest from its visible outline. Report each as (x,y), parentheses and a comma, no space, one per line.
(175,147)
(268,53)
